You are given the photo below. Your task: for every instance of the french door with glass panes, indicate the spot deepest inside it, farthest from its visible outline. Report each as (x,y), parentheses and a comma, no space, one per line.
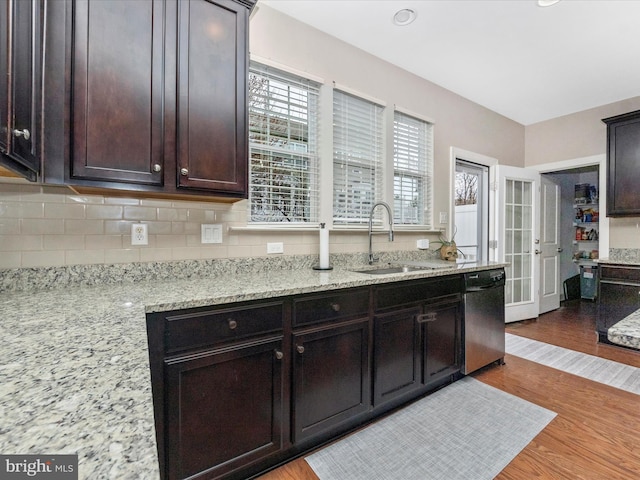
(517,226)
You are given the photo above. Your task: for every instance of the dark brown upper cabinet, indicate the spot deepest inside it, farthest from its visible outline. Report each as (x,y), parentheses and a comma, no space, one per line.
(623,164)
(153,96)
(20,85)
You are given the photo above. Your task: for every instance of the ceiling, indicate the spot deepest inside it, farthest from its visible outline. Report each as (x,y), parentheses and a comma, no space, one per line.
(523,61)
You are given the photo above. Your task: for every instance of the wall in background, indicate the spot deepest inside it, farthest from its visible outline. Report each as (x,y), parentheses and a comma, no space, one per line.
(582,135)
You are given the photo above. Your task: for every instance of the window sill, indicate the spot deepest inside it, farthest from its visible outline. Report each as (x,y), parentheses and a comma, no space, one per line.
(335,229)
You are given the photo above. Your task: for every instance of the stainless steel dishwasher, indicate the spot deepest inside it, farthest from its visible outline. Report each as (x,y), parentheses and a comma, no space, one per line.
(484,325)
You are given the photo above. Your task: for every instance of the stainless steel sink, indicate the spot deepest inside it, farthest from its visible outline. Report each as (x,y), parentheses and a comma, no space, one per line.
(397,269)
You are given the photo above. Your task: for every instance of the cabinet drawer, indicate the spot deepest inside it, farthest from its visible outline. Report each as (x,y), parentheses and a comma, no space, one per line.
(322,308)
(197,329)
(412,292)
(620,273)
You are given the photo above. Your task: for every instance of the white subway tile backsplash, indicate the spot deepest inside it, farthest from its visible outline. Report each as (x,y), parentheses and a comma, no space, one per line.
(10,260)
(84,257)
(90,227)
(64,210)
(63,242)
(140,213)
(20,243)
(105,212)
(40,226)
(52,226)
(49,258)
(122,256)
(9,226)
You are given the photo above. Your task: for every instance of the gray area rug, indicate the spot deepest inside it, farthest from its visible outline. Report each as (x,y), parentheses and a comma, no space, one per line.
(467,430)
(614,374)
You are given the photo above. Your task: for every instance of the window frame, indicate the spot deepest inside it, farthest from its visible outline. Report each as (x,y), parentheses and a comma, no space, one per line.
(281,161)
(418,160)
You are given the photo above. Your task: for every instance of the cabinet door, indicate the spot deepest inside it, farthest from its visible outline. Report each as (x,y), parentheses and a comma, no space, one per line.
(21,84)
(5,28)
(441,325)
(224,409)
(616,301)
(212,96)
(396,364)
(330,377)
(623,159)
(118,87)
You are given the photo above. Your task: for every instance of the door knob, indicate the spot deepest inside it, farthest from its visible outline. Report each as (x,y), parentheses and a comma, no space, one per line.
(559,249)
(537,252)
(22,133)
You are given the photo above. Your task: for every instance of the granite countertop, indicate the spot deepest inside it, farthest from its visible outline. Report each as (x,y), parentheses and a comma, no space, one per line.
(74,368)
(627,331)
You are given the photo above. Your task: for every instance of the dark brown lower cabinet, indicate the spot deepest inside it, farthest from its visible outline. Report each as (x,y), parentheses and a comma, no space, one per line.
(239,388)
(397,356)
(618,296)
(442,338)
(330,377)
(224,409)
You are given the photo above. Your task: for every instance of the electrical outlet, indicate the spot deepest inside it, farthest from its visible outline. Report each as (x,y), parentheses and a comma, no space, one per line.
(276,247)
(422,243)
(211,233)
(139,234)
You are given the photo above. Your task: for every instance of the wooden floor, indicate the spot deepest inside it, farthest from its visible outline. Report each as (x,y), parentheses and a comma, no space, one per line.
(596,434)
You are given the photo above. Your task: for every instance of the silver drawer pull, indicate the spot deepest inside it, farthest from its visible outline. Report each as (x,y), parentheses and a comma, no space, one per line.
(335,307)
(279,355)
(184,172)
(300,349)
(232,324)
(426,317)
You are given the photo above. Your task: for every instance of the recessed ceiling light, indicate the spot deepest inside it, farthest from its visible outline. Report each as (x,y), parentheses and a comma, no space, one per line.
(404,17)
(547,3)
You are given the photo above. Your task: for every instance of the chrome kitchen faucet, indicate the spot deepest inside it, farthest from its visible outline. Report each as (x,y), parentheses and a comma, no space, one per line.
(373,259)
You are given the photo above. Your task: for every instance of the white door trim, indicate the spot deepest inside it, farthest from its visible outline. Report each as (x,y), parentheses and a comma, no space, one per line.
(601,161)
(454,153)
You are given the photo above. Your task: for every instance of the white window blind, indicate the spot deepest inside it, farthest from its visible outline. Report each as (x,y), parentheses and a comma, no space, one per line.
(283,126)
(357,157)
(412,170)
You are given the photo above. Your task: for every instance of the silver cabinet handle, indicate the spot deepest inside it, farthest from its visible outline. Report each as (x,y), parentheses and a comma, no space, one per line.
(335,307)
(232,324)
(426,317)
(300,349)
(184,172)
(279,355)
(22,133)
(157,167)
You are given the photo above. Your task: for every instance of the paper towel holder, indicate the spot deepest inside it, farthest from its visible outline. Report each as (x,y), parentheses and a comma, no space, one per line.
(324,250)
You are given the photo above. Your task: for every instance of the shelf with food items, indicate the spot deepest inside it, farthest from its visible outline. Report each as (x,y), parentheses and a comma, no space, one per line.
(587,255)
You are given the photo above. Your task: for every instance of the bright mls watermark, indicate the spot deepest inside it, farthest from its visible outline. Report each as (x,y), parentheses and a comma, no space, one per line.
(50,467)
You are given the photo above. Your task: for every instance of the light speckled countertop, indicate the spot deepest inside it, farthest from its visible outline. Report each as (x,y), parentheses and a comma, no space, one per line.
(74,365)
(627,331)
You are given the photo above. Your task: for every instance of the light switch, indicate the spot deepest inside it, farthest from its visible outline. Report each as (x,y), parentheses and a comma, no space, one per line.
(211,233)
